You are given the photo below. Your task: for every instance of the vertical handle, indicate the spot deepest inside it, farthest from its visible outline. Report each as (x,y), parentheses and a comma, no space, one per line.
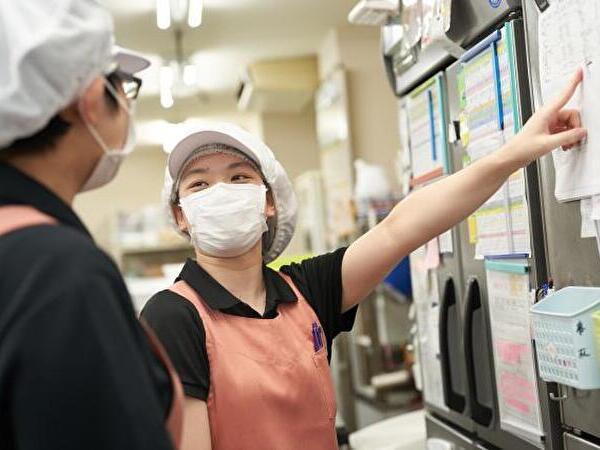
(454,400)
(480,413)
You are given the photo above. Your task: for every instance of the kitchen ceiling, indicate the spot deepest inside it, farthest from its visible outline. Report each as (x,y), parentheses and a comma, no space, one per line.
(233,34)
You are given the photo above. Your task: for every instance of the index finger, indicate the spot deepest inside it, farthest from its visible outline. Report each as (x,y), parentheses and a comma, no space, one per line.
(558,103)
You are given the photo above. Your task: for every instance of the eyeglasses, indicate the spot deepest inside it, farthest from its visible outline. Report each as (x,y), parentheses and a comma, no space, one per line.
(130,85)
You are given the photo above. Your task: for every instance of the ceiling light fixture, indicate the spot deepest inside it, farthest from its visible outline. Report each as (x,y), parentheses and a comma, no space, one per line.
(178,77)
(176,11)
(163,14)
(195,12)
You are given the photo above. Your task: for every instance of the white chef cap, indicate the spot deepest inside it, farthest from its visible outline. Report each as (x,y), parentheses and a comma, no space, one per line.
(50,50)
(229,135)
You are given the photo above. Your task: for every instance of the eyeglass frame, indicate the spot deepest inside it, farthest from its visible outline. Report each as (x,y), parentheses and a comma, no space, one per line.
(123,78)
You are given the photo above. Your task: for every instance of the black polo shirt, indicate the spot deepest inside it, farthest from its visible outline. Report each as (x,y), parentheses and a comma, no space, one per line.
(179,326)
(76,371)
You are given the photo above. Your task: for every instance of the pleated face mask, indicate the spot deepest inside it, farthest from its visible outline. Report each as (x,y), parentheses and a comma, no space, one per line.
(226,220)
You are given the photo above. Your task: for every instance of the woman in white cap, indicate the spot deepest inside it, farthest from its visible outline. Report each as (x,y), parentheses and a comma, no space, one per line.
(252,345)
(76,369)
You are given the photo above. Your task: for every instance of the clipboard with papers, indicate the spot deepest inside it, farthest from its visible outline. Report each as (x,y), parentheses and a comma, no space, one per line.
(426,116)
(489,118)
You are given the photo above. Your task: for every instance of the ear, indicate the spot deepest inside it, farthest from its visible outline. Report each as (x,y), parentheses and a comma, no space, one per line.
(270,210)
(91,103)
(182,223)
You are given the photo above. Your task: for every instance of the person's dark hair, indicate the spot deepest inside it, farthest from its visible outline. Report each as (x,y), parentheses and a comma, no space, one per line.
(47,138)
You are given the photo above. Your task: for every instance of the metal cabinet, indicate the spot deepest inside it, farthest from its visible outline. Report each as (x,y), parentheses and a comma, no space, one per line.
(573,442)
(441,436)
(571,260)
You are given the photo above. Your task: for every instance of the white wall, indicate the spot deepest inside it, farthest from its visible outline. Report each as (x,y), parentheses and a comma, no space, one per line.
(138,184)
(372,104)
(293,139)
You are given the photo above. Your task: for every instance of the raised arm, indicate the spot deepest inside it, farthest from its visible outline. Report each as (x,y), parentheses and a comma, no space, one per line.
(434,209)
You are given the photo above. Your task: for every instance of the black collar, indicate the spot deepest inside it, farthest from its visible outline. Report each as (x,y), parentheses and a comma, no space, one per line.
(219,298)
(16,188)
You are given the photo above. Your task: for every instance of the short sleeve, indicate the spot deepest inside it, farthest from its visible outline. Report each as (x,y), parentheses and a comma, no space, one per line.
(319,279)
(179,327)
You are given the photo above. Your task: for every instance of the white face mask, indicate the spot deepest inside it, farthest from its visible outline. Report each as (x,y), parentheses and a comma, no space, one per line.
(227,220)
(108,166)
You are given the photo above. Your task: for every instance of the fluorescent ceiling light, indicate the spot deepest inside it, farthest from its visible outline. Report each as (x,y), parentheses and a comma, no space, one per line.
(179,10)
(163,14)
(195,11)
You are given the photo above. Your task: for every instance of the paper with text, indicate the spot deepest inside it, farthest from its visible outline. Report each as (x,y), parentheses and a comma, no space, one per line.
(588,228)
(427,304)
(509,303)
(501,225)
(446,243)
(569,34)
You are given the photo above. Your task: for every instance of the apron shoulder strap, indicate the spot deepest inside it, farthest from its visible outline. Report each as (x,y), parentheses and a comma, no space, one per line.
(174,421)
(17,217)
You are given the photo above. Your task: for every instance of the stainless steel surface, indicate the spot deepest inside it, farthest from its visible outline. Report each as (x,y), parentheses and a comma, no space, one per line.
(576,443)
(437,429)
(471,20)
(448,273)
(570,259)
(474,272)
(539,270)
(428,63)
(557,398)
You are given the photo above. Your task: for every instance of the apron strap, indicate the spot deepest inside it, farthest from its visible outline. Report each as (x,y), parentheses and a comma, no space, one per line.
(174,421)
(16,217)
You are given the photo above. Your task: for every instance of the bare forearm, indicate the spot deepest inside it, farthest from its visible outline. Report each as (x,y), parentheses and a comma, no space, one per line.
(423,215)
(196,427)
(434,209)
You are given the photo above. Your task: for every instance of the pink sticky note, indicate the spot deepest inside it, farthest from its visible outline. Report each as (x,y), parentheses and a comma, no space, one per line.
(510,352)
(518,405)
(432,255)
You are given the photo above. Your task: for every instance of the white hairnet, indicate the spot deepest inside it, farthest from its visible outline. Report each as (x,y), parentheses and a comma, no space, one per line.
(272,171)
(50,50)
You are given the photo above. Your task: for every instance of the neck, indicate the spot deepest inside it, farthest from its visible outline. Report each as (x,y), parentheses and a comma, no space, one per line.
(242,275)
(50,173)
(61,169)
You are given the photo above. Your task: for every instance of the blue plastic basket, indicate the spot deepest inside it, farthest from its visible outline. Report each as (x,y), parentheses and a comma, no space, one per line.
(563,329)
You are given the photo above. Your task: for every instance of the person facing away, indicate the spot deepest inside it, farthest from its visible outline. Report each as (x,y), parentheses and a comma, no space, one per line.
(252,345)
(76,369)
